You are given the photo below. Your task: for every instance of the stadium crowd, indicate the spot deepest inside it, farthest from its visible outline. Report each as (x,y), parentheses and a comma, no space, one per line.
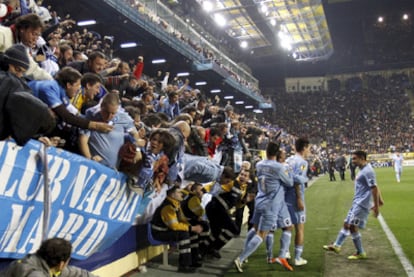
(376,117)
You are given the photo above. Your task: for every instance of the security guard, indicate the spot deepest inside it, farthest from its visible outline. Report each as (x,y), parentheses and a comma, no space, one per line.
(195,213)
(226,193)
(169,224)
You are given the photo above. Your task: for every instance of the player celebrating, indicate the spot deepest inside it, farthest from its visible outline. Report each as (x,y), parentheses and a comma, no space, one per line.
(269,201)
(295,196)
(365,187)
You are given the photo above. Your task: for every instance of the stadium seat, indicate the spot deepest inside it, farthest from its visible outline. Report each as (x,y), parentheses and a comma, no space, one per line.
(155,242)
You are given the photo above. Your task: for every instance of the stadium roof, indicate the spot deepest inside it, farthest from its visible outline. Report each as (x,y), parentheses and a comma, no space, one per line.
(265,26)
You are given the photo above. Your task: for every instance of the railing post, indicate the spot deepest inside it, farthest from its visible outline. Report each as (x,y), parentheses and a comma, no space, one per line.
(46,191)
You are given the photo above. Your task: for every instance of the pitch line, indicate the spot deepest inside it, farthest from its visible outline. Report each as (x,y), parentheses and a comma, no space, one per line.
(408,267)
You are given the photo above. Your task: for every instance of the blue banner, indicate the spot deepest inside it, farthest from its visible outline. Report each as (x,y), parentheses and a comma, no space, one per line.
(91,205)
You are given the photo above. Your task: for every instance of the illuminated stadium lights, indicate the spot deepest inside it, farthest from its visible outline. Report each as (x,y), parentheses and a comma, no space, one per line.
(248,107)
(202,83)
(86,22)
(264,9)
(220,20)
(286,45)
(380,19)
(257,111)
(183,74)
(304,22)
(228,97)
(243,44)
(215,90)
(285,40)
(207,6)
(239,24)
(157,61)
(128,45)
(405,16)
(239,102)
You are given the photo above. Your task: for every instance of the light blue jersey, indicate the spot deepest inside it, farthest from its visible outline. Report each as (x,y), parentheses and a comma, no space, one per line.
(270,200)
(283,219)
(299,168)
(272,177)
(364,182)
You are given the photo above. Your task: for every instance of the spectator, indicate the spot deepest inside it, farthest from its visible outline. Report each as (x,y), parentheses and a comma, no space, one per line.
(15,61)
(104,147)
(180,130)
(151,161)
(169,106)
(65,55)
(57,94)
(90,84)
(26,30)
(15,97)
(51,259)
(95,63)
(139,67)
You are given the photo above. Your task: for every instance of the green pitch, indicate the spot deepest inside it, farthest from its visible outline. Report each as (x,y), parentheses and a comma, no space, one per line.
(327,205)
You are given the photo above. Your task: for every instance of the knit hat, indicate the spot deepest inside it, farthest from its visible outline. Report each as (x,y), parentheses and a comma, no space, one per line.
(17,55)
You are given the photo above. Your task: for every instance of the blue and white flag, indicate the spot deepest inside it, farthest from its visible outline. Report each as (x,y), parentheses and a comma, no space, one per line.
(91,205)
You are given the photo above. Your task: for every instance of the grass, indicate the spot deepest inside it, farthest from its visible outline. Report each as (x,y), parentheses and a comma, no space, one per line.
(327,205)
(398,210)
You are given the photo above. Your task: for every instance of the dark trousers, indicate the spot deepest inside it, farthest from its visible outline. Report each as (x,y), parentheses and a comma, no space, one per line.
(332,175)
(250,205)
(342,173)
(352,169)
(238,218)
(199,241)
(222,226)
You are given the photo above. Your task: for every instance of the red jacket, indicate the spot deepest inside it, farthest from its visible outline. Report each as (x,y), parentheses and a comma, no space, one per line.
(139,67)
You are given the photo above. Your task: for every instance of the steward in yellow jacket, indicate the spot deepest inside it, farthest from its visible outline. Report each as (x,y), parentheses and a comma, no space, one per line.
(226,194)
(195,213)
(169,224)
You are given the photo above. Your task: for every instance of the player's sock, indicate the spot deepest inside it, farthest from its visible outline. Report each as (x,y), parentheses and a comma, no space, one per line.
(269,245)
(253,244)
(343,234)
(285,243)
(356,238)
(249,236)
(298,251)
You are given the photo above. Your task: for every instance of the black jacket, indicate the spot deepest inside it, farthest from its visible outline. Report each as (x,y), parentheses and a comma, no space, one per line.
(22,115)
